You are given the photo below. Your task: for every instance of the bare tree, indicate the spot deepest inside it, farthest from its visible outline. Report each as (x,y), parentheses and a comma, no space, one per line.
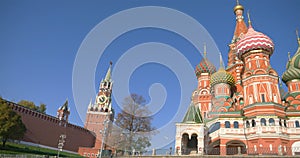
(135,122)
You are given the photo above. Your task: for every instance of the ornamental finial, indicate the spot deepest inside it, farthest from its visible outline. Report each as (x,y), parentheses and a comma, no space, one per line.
(221,61)
(289,56)
(204,52)
(237,2)
(249,20)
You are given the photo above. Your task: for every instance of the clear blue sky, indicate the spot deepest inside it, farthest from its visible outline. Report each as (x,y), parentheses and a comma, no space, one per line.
(39,41)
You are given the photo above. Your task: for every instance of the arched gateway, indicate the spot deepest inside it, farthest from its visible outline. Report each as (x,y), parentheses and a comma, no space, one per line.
(189,133)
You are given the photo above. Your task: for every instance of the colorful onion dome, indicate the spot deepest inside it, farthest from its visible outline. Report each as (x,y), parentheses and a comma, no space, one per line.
(293,67)
(205,67)
(222,76)
(254,40)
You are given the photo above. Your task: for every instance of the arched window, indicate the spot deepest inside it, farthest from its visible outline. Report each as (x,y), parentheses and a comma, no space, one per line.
(297,124)
(271,122)
(227,124)
(263,122)
(250,99)
(236,124)
(247,124)
(284,123)
(257,62)
(214,127)
(253,123)
(280,124)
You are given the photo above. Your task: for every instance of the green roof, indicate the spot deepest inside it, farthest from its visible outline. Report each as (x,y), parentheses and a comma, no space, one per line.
(193,115)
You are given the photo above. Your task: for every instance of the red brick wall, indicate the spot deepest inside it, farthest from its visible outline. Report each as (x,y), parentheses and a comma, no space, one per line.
(45,129)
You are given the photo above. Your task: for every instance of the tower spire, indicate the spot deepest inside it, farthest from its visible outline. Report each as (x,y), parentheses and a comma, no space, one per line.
(249,20)
(298,38)
(204,52)
(108,73)
(289,56)
(221,62)
(240,27)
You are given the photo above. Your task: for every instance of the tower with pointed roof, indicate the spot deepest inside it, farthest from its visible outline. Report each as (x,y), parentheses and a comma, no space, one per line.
(63,113)
(201,96)
(100,114)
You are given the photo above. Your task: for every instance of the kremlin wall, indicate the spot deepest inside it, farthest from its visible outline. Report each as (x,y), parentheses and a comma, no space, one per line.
(45,130)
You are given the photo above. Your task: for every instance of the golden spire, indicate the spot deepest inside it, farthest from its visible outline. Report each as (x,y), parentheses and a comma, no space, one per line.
(204,52)
(249,20)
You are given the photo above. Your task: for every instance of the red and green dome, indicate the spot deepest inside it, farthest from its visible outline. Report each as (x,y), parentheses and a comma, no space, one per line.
(222,76)
(254,40)
(205,67)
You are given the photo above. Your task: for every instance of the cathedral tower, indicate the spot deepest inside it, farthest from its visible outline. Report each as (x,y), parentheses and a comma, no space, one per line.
(291,78)
(260,80)
(201,96)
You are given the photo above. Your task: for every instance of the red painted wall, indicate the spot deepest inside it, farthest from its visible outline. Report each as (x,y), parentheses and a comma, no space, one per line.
(45,129)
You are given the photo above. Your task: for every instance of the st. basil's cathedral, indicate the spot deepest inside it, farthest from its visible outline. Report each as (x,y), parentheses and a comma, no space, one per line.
(242,109)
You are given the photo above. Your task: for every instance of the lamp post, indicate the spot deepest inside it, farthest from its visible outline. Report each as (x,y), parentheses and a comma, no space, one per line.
(104,132)
(61,142)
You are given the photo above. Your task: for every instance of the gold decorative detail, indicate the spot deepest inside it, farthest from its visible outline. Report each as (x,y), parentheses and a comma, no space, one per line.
(249,20)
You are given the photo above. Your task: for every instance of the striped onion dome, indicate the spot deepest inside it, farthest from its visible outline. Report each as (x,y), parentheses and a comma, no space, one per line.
(254,40)
(222,76)
(205,66)
(293,67)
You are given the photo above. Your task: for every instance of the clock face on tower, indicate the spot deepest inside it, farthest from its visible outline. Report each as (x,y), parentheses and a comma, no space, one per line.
(102,99)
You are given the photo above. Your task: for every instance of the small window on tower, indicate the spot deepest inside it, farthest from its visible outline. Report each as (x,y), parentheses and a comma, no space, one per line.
(297,125)
(247,124)
(253,123)
(248,60)
(263,98)
(263,122)
(284,123)
(227,124)
(236,124)
(271,122)
(275,98)
(250,99)
(257,63)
